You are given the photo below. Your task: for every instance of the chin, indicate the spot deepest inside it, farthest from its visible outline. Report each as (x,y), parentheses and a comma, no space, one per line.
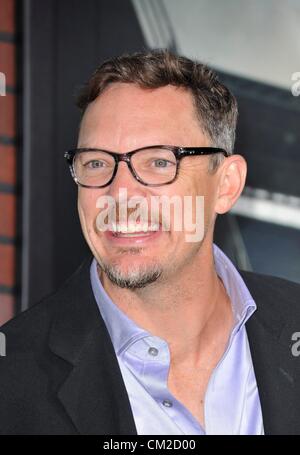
(131,273)
(130,262)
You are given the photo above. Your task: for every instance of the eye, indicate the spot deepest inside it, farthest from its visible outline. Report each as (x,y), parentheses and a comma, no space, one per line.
(161,163)
(94,164)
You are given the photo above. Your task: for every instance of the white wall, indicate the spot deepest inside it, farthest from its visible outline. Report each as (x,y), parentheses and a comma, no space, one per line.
(257,39)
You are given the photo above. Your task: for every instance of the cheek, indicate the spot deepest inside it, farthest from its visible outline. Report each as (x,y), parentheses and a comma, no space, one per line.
(207,189)
(202,200)
(87,206)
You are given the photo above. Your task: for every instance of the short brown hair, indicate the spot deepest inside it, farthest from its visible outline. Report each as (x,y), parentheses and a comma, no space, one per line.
(215,105)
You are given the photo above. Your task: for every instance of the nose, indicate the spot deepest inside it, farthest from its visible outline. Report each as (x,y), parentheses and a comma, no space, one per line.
(125,179)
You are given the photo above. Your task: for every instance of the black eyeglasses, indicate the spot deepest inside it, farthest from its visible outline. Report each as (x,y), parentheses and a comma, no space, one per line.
(154,165)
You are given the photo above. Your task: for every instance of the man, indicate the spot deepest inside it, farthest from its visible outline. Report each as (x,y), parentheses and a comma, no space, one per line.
(156,333)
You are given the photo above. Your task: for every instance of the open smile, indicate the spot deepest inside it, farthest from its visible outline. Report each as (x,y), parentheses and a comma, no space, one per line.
(130,233)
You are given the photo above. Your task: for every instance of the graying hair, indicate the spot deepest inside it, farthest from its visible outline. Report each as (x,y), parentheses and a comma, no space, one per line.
(215,105)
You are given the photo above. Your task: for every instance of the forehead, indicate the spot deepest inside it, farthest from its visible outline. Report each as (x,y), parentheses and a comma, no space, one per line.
(126,116)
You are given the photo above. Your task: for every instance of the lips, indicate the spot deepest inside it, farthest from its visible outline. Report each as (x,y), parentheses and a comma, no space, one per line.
(133,229)
(132,233)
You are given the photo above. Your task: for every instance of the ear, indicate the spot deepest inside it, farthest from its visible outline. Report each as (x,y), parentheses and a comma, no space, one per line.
(232,179)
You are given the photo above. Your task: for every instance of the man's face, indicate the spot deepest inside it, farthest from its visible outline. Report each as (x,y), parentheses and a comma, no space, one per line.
(124,118)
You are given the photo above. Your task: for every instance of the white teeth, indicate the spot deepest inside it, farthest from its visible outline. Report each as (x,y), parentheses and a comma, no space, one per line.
(133,227)
(154,227)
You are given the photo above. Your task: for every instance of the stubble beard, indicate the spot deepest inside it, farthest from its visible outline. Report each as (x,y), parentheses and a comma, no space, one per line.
(135,277)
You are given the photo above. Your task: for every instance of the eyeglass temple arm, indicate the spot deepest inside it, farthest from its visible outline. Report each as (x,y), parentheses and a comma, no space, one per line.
(201,151)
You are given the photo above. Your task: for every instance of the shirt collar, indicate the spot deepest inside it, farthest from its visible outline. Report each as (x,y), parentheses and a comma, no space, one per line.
(243,305)
(124,332)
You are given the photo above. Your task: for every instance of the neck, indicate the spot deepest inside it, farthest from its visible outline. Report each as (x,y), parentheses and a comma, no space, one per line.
(191,313)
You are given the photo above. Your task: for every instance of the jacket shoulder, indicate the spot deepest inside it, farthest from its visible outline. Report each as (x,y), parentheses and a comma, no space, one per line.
(278,294)
(271,283)
(30,370)
(28,328)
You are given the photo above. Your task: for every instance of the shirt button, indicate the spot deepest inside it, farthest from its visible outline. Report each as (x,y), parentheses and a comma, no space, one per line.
(167,403)
(153,351)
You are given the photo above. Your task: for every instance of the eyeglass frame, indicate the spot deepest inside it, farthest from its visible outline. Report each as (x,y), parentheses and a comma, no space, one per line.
(179,153)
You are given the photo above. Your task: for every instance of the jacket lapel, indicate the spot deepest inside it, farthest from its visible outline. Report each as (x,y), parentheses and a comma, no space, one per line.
(93,393)
(274,365)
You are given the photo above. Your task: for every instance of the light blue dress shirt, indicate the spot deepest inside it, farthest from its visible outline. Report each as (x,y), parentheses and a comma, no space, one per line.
(231,405)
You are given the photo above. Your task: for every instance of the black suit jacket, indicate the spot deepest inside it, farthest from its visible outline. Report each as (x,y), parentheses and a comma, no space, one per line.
(61,374)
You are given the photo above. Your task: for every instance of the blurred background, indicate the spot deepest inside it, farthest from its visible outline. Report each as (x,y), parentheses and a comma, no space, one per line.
(49,48)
